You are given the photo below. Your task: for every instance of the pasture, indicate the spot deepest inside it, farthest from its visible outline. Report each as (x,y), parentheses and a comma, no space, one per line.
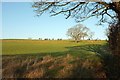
(53,58)
(13,47)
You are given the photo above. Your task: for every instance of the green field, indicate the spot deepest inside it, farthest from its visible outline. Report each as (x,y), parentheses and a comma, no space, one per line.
(12,47)
(53,58)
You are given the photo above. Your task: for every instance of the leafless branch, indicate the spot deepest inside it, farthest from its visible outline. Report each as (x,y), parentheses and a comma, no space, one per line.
(79,10)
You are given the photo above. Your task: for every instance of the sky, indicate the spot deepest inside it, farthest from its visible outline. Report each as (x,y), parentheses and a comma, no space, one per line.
(19,21)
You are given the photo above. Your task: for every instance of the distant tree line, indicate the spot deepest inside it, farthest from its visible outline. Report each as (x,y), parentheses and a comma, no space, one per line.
(50,39)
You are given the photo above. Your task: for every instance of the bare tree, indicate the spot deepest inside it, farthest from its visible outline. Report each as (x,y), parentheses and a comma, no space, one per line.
(80,10)
(90,35)
(77,32)
(105,11)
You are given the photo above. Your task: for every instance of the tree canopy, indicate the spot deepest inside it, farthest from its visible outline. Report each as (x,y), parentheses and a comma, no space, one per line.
(78,32)
(105,11)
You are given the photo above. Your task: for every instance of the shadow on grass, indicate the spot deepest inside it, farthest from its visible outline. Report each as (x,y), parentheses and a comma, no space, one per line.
(75,51)
(86,62)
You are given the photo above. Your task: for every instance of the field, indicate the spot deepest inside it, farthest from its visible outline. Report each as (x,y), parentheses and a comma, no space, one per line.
(53,58)
(13,47)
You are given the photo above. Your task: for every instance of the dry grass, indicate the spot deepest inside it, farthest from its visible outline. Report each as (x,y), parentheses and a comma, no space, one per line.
(51,67)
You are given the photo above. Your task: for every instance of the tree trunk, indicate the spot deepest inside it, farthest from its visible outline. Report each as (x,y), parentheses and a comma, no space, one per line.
(114,36)
(76,40)
(114,43)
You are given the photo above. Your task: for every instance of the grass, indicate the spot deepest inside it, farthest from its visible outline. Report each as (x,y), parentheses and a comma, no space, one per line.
(60,59)
(13,47)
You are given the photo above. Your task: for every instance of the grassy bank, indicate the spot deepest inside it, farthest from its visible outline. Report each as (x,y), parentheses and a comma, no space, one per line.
(60,59)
